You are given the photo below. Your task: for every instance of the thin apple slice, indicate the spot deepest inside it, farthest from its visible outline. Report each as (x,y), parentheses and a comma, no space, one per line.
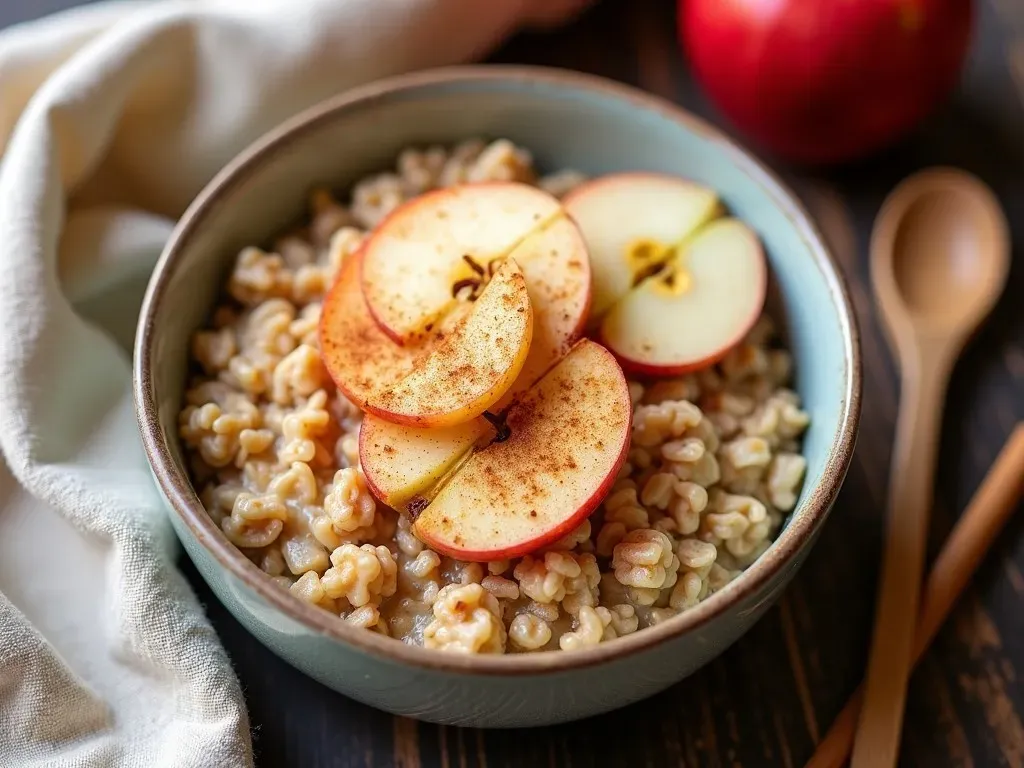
(428,245)
(631,221)
(698,307)
(557,271)
(358,355)
(441,381)
(568,436)
(469,370)
(401,462)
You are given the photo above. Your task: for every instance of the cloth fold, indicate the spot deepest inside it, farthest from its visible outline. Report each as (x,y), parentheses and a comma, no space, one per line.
(112,117)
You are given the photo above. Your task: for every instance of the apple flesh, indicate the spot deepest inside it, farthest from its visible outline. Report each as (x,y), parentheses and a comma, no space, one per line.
(444,380)
(399,462)
(358,355)
(699,306)
(675,285)
(416,259)
(471,368)
(630,221)
(567,437)
(557,271)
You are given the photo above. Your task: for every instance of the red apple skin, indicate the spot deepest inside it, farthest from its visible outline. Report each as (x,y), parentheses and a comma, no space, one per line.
(387,221)
(365,436)
(551,535)
(590,185)
(370,485)
(640,368)
(821,81)
(345,297)
(403,210)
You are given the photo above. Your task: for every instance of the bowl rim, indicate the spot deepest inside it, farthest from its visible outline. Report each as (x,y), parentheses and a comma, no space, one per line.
(176,486)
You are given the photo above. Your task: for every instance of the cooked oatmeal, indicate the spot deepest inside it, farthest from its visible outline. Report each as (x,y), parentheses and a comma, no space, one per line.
(713,466)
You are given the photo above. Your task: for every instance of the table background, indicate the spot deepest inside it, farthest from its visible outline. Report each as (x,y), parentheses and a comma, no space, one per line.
(768,699)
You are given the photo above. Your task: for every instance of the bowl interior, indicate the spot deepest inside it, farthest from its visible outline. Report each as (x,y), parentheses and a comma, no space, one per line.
(591,128)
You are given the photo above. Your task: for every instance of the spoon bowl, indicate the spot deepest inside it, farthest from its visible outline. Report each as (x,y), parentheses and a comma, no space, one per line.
(940,254)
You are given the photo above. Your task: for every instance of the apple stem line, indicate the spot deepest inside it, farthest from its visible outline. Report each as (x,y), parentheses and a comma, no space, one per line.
(504,432)
(476,266)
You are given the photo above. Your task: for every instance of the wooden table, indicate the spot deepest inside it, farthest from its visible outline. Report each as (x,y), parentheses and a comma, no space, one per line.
(768,699)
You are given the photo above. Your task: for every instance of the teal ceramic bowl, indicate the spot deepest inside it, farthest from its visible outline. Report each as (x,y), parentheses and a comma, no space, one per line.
(567,120)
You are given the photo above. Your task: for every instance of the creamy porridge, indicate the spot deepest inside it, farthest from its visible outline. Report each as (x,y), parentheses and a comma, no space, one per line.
(713,463)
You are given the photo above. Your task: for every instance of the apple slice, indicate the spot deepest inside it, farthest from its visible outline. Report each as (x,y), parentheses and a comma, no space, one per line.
(675,287)
(442,239)
(631,221)
(468,370)
(445,379)
(399,462)
(358,355)
(567,437)
(557,273)
(697,307)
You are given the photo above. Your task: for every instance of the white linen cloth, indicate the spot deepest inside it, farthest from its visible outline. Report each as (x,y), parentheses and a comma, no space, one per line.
(112,117)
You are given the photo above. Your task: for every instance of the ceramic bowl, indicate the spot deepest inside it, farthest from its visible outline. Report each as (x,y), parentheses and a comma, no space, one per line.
(566,120)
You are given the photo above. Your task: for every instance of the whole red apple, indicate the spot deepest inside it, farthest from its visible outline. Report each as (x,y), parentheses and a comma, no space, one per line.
(825,81)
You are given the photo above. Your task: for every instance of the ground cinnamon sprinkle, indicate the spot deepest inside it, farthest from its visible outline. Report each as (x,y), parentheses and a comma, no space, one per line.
(347,324)
(541,450)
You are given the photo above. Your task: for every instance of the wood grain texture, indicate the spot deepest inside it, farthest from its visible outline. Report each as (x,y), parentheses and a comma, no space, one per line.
(767,700)
(902,275)
(964,550)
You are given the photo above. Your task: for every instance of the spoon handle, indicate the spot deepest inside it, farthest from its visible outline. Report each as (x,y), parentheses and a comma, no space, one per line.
(924,377)
(991,506)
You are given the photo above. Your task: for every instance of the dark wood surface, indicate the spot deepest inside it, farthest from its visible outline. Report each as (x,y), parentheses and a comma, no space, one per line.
(767,700)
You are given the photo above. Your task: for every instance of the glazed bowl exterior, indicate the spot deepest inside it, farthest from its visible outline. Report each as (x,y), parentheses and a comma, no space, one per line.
(568,121)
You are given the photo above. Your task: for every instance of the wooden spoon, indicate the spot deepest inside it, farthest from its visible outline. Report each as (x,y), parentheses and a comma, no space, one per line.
(940,253)
(991,506)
